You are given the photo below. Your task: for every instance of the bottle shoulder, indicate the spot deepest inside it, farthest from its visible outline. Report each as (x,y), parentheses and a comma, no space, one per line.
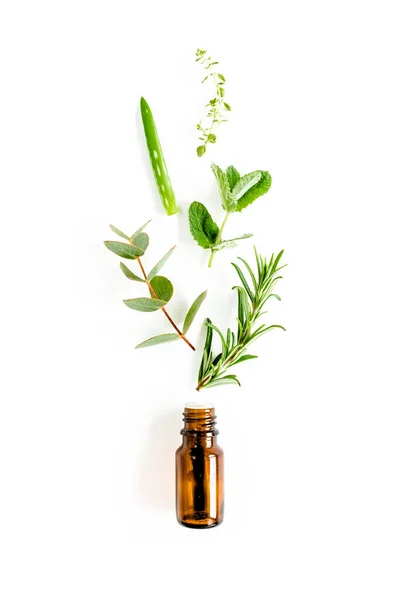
(214,450)
(217,450)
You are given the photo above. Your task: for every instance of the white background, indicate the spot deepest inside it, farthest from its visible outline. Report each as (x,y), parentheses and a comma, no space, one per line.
(88,425)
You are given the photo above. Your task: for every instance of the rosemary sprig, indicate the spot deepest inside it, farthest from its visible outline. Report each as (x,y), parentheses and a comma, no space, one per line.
(252,296)
(217,106)
(160,288)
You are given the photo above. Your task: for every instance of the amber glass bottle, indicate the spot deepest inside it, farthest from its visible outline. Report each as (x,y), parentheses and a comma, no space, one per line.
(199,470)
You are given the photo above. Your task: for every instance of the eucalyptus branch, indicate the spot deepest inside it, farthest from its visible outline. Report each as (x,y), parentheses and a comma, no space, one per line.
(160,288)
(164,310)
(252,296)
(217,107)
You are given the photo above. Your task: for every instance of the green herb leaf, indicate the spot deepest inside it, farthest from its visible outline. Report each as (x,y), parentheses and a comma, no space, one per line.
(119,232)
(227,106)
(162,288)
(228,199)
(224,380)
(245,183)
(160,264)
(231,243)
(140,229)
(192,312)
(201,150)
(233,176)
(124,250)
(244,358)
(144,304)
(159,339)
(250,187)
(140,240)
(207,352)
(128,273)
(213,370)
(244,282)
(202,227)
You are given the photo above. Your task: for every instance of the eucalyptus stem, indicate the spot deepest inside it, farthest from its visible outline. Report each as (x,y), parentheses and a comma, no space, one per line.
(218,239)
(152,293)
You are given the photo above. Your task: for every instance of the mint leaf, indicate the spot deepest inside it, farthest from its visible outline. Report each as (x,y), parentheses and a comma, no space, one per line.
(233,176)
(202,227)
(250,187)
(228,199)
(245,183)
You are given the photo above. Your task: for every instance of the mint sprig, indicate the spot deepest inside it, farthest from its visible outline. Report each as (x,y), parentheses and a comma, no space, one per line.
(236,194)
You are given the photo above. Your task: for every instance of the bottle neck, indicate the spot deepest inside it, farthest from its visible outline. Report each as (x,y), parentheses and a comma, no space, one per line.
(199,426)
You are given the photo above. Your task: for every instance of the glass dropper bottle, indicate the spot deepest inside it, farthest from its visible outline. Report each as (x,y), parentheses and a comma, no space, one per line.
(199,469)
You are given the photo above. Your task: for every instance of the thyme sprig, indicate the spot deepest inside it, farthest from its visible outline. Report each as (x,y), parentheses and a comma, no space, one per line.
(217,106)
(252,296)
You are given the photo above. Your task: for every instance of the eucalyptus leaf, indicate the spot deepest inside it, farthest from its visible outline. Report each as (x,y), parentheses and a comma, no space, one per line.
(161,288)
(144,304)
(124,250)
(119,232)
(140,240)
(193,310)
(160,264)
(159,339)
(140,229)
(128,273)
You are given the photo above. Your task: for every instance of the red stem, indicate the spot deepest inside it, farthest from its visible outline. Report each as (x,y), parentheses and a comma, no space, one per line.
(163,309)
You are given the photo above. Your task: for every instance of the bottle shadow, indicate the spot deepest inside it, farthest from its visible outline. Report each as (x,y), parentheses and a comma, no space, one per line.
(157,474)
